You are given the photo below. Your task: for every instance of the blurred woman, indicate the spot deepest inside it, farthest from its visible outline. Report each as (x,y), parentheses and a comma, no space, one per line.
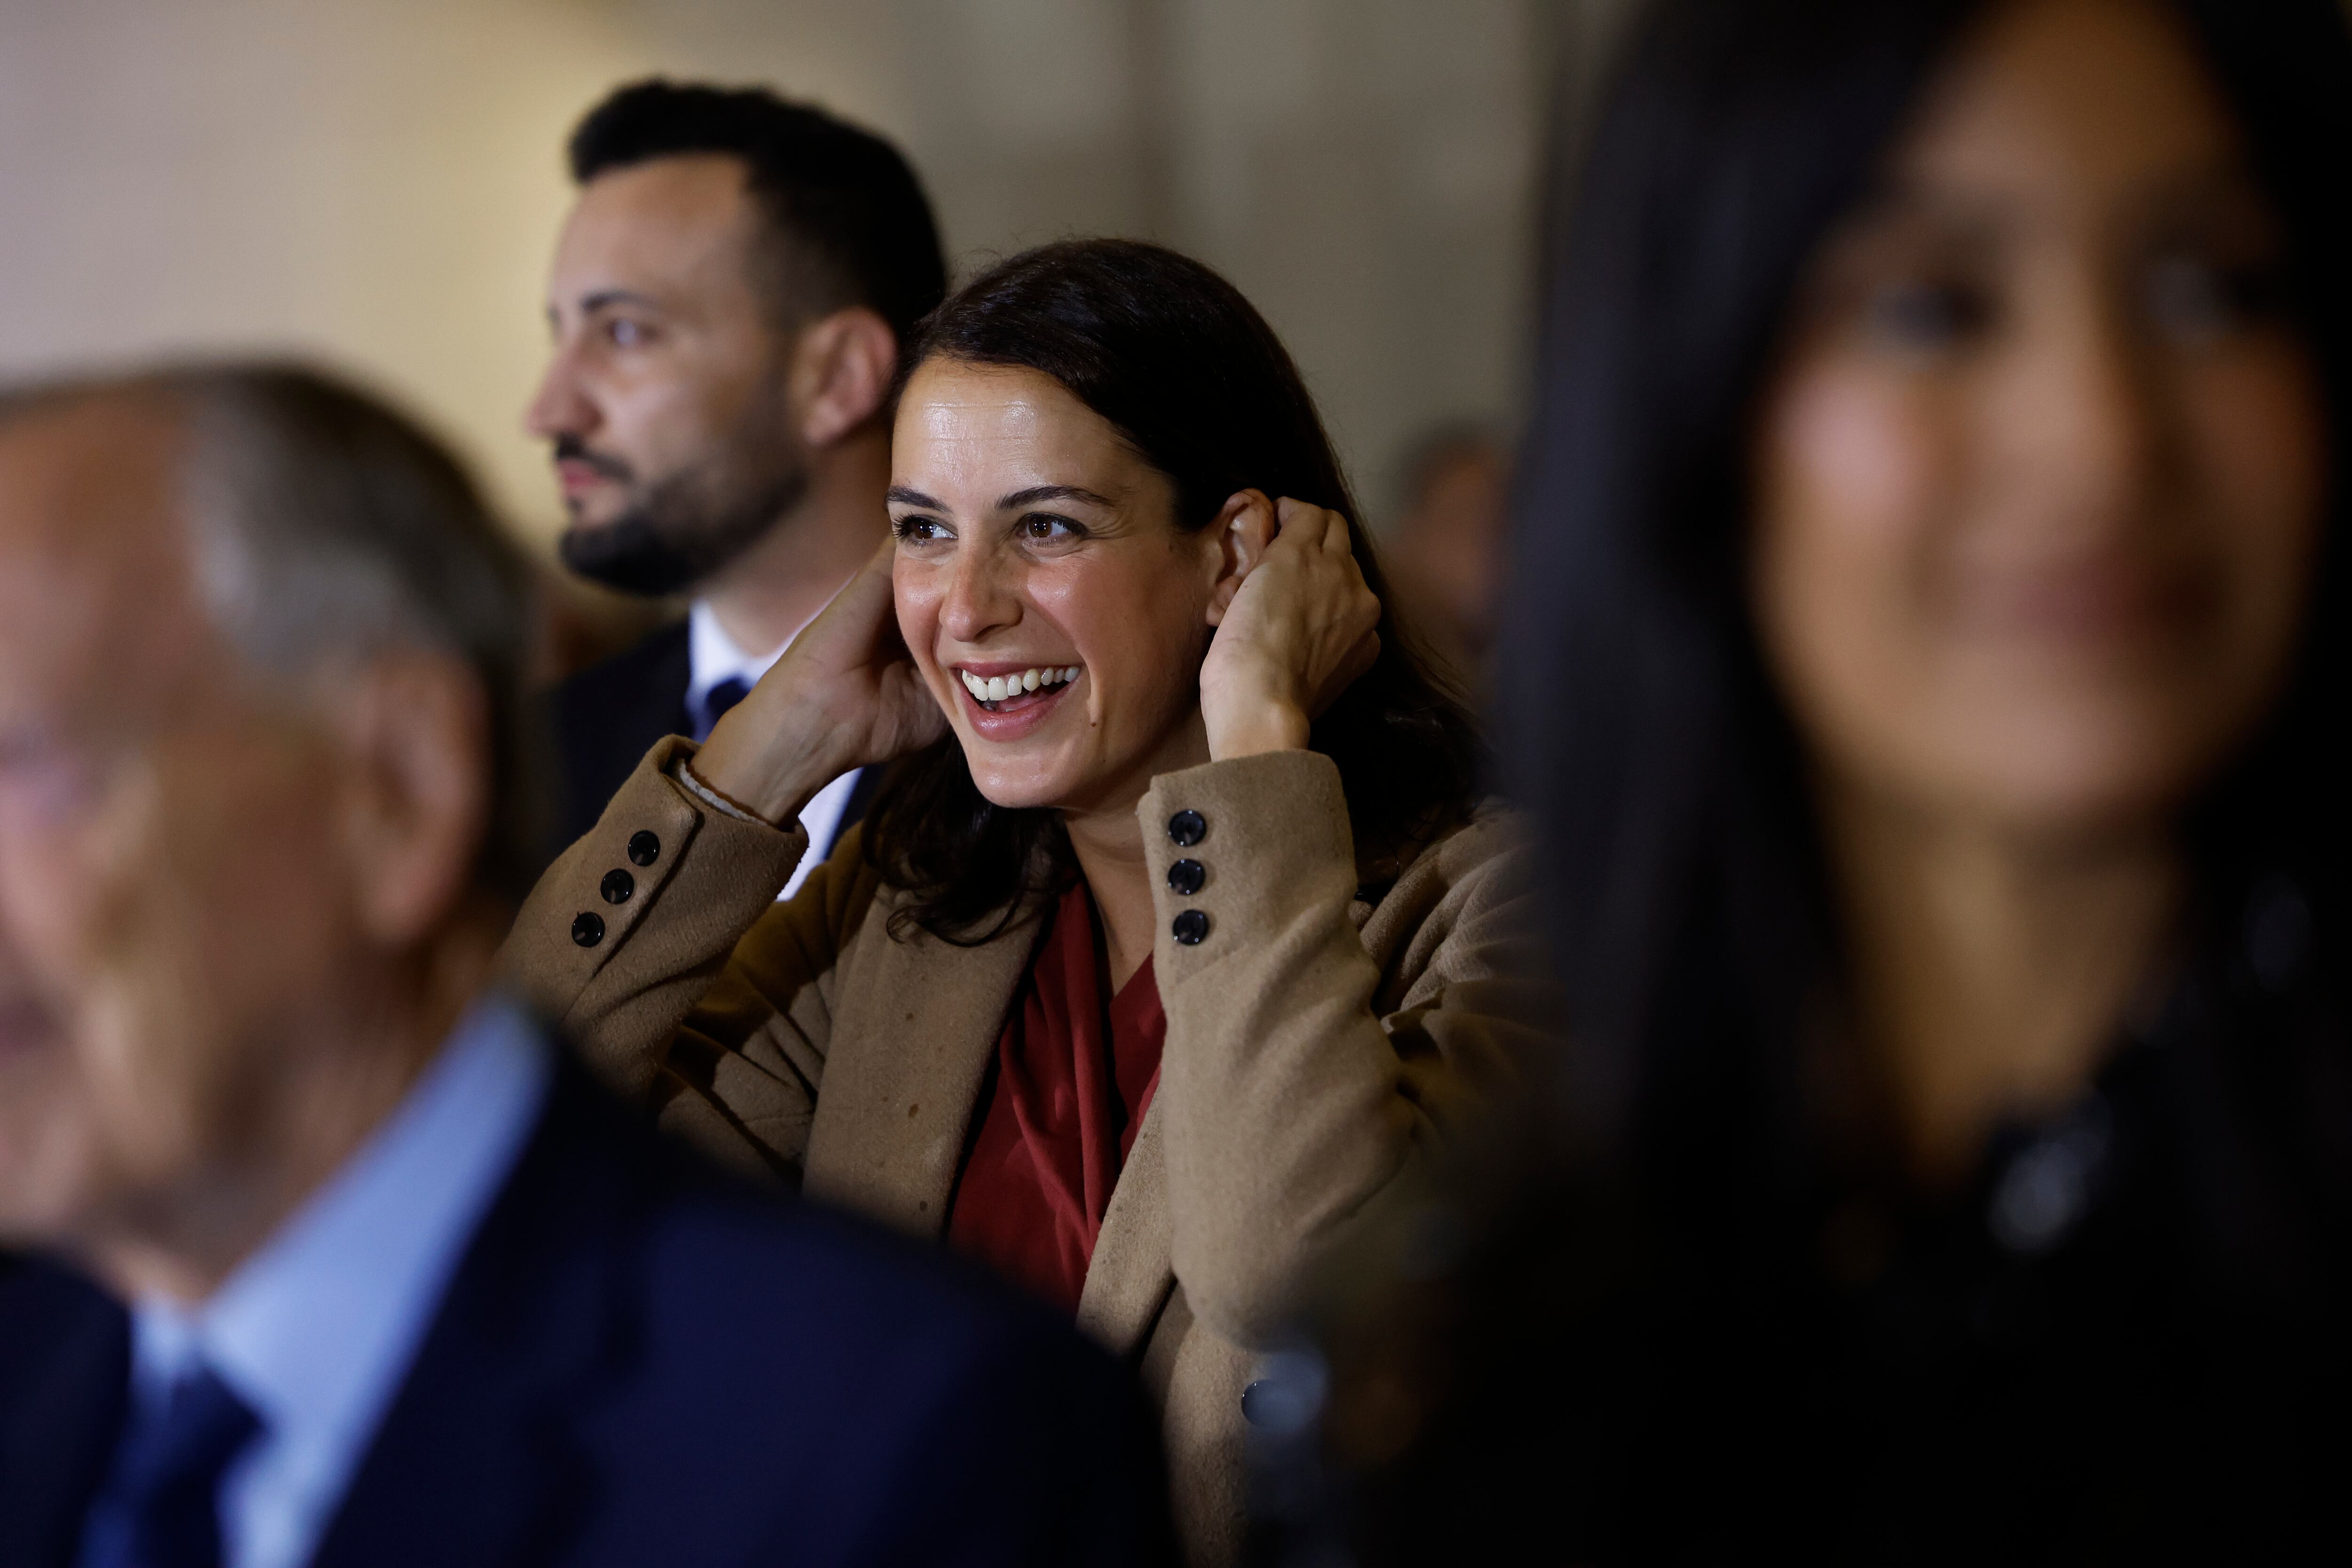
(1929,667)
(1178,942)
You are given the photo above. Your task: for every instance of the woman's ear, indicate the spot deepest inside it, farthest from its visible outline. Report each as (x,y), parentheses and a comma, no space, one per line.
(1244,527)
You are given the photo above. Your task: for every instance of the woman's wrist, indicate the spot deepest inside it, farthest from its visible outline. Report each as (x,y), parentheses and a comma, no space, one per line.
(772,772)
(1248,728)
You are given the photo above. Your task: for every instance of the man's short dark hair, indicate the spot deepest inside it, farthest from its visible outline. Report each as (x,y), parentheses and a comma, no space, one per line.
(854,224)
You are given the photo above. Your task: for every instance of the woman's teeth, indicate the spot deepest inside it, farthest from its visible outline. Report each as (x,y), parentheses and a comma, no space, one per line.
(997,688)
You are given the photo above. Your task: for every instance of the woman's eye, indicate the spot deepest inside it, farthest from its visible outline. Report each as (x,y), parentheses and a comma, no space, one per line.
(919,530)
(1044,528)
(1918,317)
(2192,300)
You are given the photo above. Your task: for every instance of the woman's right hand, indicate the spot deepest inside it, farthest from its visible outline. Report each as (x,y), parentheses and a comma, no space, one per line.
(845,695)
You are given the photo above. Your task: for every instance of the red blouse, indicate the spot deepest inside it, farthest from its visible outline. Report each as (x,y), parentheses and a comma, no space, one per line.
(1059,1113)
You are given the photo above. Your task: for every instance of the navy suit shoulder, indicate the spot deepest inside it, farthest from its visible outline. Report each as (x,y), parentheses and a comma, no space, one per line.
(641,1360)
(605,719)
(65,1378)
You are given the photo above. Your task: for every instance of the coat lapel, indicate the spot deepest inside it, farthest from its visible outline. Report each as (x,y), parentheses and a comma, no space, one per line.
(911,1048)
(1131,1273)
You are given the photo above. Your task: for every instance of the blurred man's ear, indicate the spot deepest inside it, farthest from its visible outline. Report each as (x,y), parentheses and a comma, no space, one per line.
(415,730)
(841,372)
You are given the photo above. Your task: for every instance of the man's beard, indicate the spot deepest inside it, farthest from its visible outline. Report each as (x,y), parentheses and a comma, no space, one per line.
(681,531)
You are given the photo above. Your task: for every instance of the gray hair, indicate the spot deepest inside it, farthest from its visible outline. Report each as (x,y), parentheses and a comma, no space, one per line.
(329,529)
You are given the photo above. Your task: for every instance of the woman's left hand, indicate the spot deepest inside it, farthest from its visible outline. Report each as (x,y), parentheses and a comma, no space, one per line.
(1296,632)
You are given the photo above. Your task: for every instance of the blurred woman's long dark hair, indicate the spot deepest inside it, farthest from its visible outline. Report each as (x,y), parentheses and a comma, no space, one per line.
(1639,722)
(1653,1355)
(1188,372)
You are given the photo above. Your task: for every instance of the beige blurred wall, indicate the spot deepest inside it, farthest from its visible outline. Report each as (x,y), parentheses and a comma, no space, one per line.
(377,181)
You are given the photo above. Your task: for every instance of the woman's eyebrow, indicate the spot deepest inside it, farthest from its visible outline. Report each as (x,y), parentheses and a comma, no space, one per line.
(1036,493)
(906,497)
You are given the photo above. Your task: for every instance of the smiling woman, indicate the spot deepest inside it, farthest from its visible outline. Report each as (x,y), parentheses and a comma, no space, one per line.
(1176,948)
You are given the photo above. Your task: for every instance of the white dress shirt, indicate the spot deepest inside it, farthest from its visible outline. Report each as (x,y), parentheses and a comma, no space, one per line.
(711,657)
(316,1331)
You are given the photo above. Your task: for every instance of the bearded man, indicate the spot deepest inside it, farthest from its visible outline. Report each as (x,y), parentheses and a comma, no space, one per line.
(728,300)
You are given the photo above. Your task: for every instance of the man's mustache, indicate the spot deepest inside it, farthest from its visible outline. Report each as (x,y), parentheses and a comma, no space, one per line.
(572,450)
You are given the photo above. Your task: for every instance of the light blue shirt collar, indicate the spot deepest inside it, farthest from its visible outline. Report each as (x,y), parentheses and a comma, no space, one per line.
(317,1330)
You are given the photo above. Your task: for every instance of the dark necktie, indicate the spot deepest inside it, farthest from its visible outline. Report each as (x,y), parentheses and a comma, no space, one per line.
(160,1508)
(715,704)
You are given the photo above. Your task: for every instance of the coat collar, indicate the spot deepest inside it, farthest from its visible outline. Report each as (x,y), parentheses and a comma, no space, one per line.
(1131,1272)
(912,1044)
(912,1047)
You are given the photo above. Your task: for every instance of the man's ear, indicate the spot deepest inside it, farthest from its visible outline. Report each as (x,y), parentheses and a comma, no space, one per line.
(416,798)
(1244,527)
(842,367)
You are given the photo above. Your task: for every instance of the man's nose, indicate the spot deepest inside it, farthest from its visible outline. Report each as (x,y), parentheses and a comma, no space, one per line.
(560,406)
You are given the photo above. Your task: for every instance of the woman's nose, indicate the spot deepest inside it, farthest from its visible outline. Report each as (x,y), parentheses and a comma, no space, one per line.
(2094,418)
(980,597)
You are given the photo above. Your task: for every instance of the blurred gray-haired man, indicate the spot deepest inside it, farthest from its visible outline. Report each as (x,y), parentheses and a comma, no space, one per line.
(350,1264)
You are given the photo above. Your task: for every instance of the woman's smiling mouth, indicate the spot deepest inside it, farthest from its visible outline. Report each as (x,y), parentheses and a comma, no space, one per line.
(1010,690)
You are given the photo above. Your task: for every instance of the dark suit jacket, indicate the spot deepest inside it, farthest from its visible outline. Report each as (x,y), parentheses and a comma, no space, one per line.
(606,718)
(639,1362)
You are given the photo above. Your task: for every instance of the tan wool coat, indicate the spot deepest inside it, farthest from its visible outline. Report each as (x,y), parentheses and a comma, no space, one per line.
(1325,1043)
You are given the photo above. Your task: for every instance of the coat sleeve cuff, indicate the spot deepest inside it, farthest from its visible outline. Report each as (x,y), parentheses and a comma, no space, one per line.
(713,874)
(1234,844)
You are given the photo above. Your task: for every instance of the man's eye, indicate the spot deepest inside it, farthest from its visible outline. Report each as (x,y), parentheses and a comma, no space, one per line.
(626,333)
(1921,317)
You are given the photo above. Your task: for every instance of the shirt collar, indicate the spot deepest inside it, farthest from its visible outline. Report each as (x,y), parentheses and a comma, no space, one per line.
(316,1330)
(712,655)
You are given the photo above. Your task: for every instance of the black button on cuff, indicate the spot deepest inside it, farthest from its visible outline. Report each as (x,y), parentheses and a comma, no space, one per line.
(617,885)
(588,928)
(644,849)
(1185,877)
(1187,829)
(1190,927)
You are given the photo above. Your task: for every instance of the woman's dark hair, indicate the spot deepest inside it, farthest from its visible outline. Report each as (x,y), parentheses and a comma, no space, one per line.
(1728,1337)
(1191,376)
(1692,923)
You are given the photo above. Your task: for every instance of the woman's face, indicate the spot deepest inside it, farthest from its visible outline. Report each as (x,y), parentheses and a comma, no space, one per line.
(1034,541)
(2039,479)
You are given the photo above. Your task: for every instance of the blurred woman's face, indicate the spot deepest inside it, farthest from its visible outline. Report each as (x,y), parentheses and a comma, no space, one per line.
(2040,481)
(1053,607)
